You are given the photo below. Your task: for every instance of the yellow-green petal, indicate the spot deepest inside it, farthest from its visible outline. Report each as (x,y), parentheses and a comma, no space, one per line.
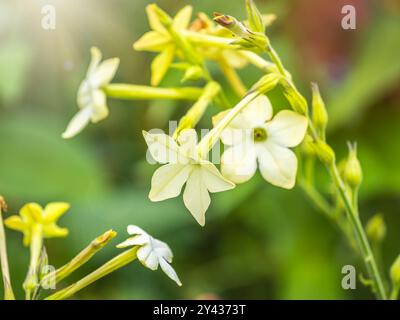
(154,21)
(54,231)
(15,223)
(182,18)
(31,212)
(161,64)
(152,41)
(53,211)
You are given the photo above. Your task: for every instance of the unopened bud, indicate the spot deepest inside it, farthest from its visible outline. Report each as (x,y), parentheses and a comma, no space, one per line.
(324,152)
(193,73)
(376,228)
(267,83)
(395,272)
(255,18)
(352,171)
(296,100)
(319,113)
(307,146)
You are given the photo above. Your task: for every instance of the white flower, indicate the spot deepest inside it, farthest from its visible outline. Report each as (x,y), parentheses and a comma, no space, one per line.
(254,137)
(183,165)
(151,252)
(91,98)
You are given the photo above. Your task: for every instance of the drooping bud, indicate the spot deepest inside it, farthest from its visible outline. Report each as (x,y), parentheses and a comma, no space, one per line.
(395,273)
(324,152)
(352,171)
(319,113)
(255,18)
(296,100)
(376,228)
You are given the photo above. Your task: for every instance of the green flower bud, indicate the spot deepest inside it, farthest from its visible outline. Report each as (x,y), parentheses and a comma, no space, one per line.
(267,83)
(296,100)
(324,152)
(255,17)
(193,73)
(319,113)
(352,171)
(307,146)
(376,228)
(395,273)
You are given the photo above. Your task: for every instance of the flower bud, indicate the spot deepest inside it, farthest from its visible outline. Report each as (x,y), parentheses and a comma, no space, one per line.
(395,273)
(352,171)
(255,17)
(267,83)
(296,100)
(324,152)
(319,113)
(376,228)
(307,146)
(193,73)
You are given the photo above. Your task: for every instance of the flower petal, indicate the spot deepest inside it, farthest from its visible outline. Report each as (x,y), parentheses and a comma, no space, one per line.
(152,41)
(147,257)
(54,231)
(182,18)
(154,22)
(31,212)
(258,111)
(162,250)
(95,60)
(104,73)
(187,140)
(195,196)
(239,163)
(213,179)
(53,211)
(161,64)
(287,129)
(15,223)
(134,230)
(163,148)
(99,107)
(168,180)
(78,123)
(169,271)
(278,165)
(234,134)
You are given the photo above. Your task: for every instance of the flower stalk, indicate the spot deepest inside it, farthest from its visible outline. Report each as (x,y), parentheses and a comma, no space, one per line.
(137,92)
(84,256)
(8,291)
(116,263)
(31,282)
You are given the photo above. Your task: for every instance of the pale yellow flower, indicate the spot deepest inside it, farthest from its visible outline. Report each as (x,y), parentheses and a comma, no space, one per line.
(91,97)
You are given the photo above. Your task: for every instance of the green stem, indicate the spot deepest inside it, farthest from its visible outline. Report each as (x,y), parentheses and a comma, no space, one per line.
(365,247)
(8,291)
(232,77)
(31,282)
(136,92)
(351,209)
(116,263)
(84,256)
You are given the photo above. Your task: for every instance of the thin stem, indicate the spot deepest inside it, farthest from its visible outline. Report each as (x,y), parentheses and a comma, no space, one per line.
(79,260)
(8,291)
(351,209)
(365,248)
(31,282)
(116,263)
(136,92)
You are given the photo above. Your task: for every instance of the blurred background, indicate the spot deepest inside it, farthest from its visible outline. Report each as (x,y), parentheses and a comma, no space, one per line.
(260,242)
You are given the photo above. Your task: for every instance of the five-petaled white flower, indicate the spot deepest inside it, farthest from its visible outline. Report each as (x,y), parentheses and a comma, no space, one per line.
(182,164)
(253,136)
(152,252)
(91,98)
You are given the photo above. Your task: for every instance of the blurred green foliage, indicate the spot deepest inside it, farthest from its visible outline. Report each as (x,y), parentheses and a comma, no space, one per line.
(259,242)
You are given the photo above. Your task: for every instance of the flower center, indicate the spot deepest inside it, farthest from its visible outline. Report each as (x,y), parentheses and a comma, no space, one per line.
(259,135)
